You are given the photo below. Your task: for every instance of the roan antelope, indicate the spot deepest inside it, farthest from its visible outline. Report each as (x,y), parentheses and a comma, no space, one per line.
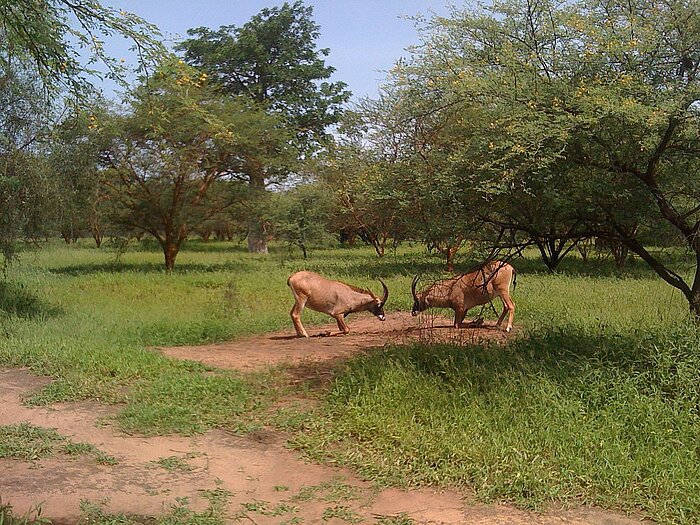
(466,291)
(334,298)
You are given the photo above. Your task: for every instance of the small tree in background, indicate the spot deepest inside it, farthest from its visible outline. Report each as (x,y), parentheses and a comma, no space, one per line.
(74,160)
(166,156)
(302,215)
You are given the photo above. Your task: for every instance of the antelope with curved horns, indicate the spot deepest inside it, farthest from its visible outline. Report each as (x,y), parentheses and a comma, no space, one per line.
(334,298)
(468,290)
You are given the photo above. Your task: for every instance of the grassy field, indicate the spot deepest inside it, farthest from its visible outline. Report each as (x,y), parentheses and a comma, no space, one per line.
(600,403)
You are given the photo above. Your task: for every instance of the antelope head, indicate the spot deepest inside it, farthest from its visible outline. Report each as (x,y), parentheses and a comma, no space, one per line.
(418,303)
(378,308)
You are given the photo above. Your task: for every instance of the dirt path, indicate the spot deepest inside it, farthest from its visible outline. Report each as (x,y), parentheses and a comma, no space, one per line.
(268,483)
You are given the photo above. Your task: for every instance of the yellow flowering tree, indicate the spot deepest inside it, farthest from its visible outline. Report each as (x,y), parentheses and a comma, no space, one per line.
(172,159)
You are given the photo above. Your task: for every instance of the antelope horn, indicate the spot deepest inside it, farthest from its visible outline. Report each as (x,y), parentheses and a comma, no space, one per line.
(386,292)
(413,287)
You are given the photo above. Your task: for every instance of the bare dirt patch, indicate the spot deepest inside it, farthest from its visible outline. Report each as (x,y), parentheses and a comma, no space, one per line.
(324,343)
(268,483)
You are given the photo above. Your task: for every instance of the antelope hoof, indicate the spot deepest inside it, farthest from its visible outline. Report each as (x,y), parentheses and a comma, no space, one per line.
(509,328)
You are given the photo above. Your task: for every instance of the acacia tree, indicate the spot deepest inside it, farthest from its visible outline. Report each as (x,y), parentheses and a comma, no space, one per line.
(606,91)
(178,140)
(273,60)
(74,160)
(425,180)
(302,215)
(361,170)
(50,36)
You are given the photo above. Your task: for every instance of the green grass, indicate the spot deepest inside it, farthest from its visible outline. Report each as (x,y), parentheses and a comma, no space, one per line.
(32,517)
(29,442)
(175,463)
(551,417)
(179,513)
(599,404)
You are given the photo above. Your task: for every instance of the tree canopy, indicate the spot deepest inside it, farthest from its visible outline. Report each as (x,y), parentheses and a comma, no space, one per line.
(51,36)
(273,60)
(589,108)
(165,156)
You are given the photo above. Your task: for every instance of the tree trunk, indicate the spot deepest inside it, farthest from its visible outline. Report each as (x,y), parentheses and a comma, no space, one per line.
(257,236)
(694,303)
(450,261)
(450,252)
(97,235)
(584,247)
(694,298)
(620,253)
(550,253)
(379,245)
(170,250)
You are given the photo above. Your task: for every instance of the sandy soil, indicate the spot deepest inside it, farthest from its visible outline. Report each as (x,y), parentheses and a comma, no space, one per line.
(269,484)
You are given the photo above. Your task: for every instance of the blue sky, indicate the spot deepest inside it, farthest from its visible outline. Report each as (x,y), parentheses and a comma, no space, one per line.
(365,37)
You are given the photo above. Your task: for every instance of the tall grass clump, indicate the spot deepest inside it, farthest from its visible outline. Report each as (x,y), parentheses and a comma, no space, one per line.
(557,416)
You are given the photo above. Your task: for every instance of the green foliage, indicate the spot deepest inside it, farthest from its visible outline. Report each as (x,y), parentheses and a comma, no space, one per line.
(80,203)
(367,184)
(274,60)
(167,160)
(25,184)
(31,443)
(302,215)
(48,37)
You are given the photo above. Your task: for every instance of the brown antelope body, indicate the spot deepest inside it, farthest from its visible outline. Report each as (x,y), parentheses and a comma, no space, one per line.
(466,291)
(334,298)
